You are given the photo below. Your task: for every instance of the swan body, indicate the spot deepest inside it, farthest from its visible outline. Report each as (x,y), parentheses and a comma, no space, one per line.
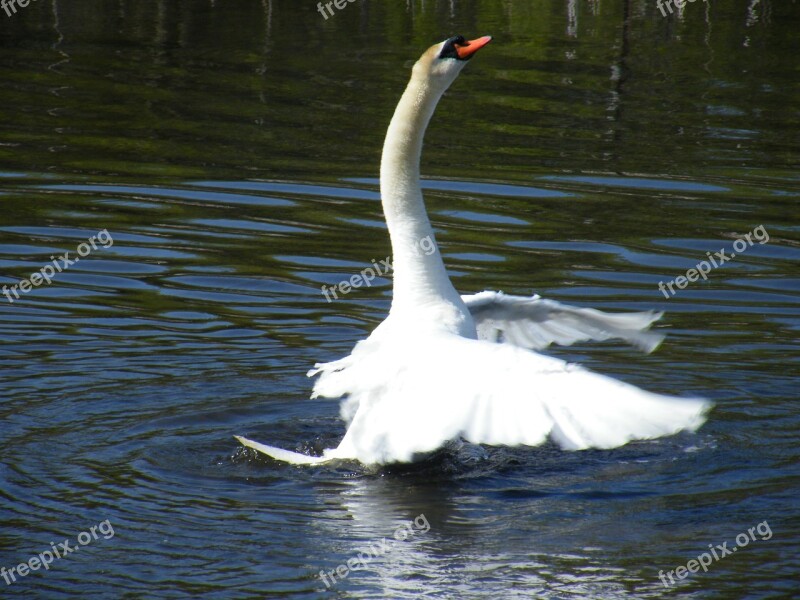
(443,366)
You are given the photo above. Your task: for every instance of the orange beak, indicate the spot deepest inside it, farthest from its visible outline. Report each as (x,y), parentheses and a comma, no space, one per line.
(471,47)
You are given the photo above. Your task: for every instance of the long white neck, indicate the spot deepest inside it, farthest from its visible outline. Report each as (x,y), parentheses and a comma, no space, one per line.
(419,274)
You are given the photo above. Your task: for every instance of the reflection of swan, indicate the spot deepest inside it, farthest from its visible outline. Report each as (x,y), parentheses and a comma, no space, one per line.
(443,366)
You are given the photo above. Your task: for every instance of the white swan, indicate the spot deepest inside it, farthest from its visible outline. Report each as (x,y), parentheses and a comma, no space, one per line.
(443,366)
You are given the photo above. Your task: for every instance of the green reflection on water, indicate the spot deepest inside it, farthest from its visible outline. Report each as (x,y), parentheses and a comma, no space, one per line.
(178,90)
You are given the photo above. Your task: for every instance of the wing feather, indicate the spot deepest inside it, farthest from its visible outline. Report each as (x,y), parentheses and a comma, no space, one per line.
(493,394)
(536,323)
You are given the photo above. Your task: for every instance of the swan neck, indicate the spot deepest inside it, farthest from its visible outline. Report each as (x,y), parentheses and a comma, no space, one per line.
(419,273)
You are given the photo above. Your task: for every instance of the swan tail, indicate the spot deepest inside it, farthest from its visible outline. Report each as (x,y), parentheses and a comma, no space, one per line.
(287,456)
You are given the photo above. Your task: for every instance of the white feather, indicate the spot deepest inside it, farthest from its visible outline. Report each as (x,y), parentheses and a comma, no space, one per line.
(536,323)
(447,386)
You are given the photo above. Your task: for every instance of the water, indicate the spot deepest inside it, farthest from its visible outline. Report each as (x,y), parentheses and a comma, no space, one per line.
(230,152)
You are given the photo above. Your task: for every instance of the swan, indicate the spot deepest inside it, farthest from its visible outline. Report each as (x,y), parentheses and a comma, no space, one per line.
(443,366)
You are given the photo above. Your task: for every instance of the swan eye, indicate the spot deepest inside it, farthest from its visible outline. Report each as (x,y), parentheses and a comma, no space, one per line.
(449,49)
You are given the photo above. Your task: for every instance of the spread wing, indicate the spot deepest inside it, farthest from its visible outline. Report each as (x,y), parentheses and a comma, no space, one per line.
(536,323)
(449,387)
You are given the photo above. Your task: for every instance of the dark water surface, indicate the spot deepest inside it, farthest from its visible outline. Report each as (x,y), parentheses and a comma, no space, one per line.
(230,151)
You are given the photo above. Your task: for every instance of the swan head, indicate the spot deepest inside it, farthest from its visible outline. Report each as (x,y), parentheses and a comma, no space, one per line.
(442,62)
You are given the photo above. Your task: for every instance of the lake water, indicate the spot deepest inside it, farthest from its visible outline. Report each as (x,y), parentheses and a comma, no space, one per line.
(225,155)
